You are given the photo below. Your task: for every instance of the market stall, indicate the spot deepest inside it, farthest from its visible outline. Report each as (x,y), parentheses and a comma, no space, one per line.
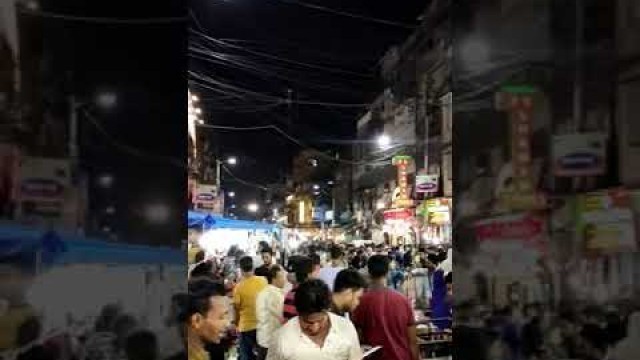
(66,279)
(218,234)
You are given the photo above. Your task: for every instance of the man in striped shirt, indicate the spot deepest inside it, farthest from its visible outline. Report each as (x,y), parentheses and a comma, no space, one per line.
(305,268)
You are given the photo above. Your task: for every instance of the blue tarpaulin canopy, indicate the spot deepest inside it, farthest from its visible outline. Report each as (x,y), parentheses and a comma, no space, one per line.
(211,222)
(19,242)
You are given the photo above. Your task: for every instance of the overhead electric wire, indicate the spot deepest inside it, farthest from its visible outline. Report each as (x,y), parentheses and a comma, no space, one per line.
(130,149)
(347,14)
(278,58)
(241,181)
(271,97)
(283,133)
(103,20)
(236,62)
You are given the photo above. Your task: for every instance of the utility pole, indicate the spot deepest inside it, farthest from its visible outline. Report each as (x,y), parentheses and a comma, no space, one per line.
(73,129)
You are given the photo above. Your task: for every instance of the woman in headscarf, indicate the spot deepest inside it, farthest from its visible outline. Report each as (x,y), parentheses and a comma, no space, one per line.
(629,347)
(440,306)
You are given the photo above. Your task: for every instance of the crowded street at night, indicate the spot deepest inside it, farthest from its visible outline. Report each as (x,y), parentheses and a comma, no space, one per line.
(341,159)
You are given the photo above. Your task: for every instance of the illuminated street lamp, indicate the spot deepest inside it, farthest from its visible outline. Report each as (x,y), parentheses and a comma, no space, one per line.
(232,194)
(232,160)
(384,141)
(253,207)
(157,213)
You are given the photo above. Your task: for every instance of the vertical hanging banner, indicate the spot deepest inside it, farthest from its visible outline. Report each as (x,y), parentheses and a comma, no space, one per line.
(522,194)
(402,199)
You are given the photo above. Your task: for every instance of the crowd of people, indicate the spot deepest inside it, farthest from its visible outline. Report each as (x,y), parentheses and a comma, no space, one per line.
(331,301)
(536,331)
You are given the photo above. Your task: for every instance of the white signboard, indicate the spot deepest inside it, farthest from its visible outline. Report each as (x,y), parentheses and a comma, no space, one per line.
(427,183)
(206,198)
(579,154)
(44,192)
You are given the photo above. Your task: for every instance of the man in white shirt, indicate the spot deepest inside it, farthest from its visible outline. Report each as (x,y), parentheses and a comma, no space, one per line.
(315,334)
(328,273)
(269,305)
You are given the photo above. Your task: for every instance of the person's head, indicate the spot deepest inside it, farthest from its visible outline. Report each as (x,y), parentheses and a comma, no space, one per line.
(141,345)
(277,276)
(267,256)
(123,326)
(200,256)
(313,300)
(303,269)
(107,317)
(336,253)
(203,269)
(204,312)
(347,289)
(316,261)
(29,331)
(378,266)
(246,264)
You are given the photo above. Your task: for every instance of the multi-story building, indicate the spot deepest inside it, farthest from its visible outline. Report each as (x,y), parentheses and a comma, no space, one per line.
(408,118)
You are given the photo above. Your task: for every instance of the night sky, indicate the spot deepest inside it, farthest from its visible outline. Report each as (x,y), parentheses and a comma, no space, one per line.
(270,46)
(145,67)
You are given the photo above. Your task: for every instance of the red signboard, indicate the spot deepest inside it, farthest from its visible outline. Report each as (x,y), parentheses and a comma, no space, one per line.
(398,214)
(524,227)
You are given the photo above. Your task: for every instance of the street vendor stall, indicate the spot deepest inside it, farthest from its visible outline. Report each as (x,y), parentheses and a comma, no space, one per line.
(218,234)
(66,279)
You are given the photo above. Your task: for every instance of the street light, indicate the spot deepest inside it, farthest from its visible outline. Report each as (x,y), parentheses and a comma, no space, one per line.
(157,213)
(107,99)
(232,194)
(105,181)
(384,141)
(253,207)
(316,187)
(231,160)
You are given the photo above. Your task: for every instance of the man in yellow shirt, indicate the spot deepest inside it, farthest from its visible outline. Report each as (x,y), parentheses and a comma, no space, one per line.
(244,300)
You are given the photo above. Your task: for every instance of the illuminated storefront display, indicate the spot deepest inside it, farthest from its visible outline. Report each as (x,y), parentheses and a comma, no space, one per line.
(436,216)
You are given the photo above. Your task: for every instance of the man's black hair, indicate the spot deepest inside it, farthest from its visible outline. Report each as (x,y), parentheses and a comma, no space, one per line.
(336,252)
(303,267)
(198,298)
(267,250)
(349,279)
(200,256)
(246,264)
(378,266)
(272,273)
(312,296)
(315,259)
(141,345)
(202,269)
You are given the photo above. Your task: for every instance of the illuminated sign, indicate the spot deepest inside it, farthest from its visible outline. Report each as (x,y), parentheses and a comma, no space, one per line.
(402,200)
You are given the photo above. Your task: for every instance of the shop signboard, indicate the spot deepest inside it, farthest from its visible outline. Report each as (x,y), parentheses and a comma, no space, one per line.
(606,222)
(513,244)
(44,193)
(207,198)
(579,154)
(426,184)
(398,214)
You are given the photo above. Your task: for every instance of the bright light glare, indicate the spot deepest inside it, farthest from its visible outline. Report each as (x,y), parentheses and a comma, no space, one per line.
(232,194)
(105,181)
(475,52)
(232,160)
(384,141)
(107,100)
(316,187)
(380,205)
(157,213)
(253,207)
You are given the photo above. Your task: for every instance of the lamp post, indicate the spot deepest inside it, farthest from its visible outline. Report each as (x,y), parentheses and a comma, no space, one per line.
(231,160)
